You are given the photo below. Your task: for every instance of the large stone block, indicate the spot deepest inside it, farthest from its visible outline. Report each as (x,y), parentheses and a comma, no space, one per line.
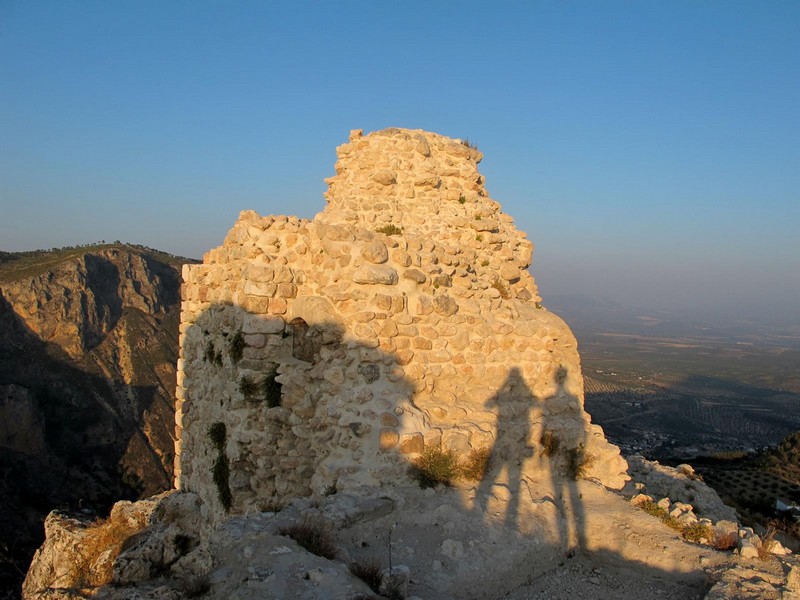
(262,324)
(375,274)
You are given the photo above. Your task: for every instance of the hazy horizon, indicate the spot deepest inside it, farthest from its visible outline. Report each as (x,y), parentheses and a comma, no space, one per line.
(649,150)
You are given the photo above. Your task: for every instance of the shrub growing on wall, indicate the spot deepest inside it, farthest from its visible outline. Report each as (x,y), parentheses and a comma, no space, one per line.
(218,434)
(271,389)
(236,346)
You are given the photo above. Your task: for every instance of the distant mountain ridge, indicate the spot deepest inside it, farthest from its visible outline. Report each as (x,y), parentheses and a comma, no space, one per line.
(88,346)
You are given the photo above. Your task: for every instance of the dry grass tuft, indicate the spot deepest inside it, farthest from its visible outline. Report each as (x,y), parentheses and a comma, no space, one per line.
(102,543)
(578,463)
(697,531)
(476,464)
(501,287)
(550,443)
(767,540)
(369,572)
(436,466)
(314,536)
(725,541)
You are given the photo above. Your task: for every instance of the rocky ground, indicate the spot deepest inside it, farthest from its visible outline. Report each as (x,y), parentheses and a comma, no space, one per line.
(582,541)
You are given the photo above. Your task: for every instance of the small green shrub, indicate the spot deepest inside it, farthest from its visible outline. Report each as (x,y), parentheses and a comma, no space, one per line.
(476,464)
(271,389)
(479,238)
(247,386)
(484,263)
(478,217)
(468,144)
(390,229)
(697,531)
(461,199)
(236,346)
(208,355)
(434,466)
(654,510)
(369,572)
(218,435)
(314,536)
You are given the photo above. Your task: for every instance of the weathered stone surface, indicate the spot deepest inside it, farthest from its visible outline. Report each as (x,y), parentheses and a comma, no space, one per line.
(414,275)
(388,439)
(375,252)
(82,552)
(445,305)
(384,177)
(412,444)
(375,274)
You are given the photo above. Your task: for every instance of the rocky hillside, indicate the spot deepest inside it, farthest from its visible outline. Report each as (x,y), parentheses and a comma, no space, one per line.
(88,344)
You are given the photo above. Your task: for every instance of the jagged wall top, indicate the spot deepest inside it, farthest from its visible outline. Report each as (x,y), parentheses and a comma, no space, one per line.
(429,186)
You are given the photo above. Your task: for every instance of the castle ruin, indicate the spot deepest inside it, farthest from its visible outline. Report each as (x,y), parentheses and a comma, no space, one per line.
(326,354)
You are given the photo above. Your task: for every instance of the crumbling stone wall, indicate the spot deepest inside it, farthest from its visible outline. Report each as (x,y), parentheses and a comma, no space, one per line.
(403,315)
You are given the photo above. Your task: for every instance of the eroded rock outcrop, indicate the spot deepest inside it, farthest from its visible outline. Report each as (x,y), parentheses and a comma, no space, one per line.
(681,485)
(402,317)
(88,345)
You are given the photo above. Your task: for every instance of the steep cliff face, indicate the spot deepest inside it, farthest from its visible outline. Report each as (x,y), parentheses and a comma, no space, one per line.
(76,303)
(88,344)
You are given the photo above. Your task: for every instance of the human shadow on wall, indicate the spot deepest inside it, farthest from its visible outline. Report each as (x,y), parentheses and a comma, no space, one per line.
(561,459)
(568,460)
(512,445)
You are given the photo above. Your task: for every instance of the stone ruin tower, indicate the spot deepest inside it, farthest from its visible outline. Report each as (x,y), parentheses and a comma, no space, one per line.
(327,354)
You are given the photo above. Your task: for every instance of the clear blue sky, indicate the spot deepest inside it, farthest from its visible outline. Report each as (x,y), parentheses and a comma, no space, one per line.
(651,150)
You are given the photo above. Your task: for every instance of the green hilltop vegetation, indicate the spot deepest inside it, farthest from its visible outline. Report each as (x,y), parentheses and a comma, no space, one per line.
(19,265)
